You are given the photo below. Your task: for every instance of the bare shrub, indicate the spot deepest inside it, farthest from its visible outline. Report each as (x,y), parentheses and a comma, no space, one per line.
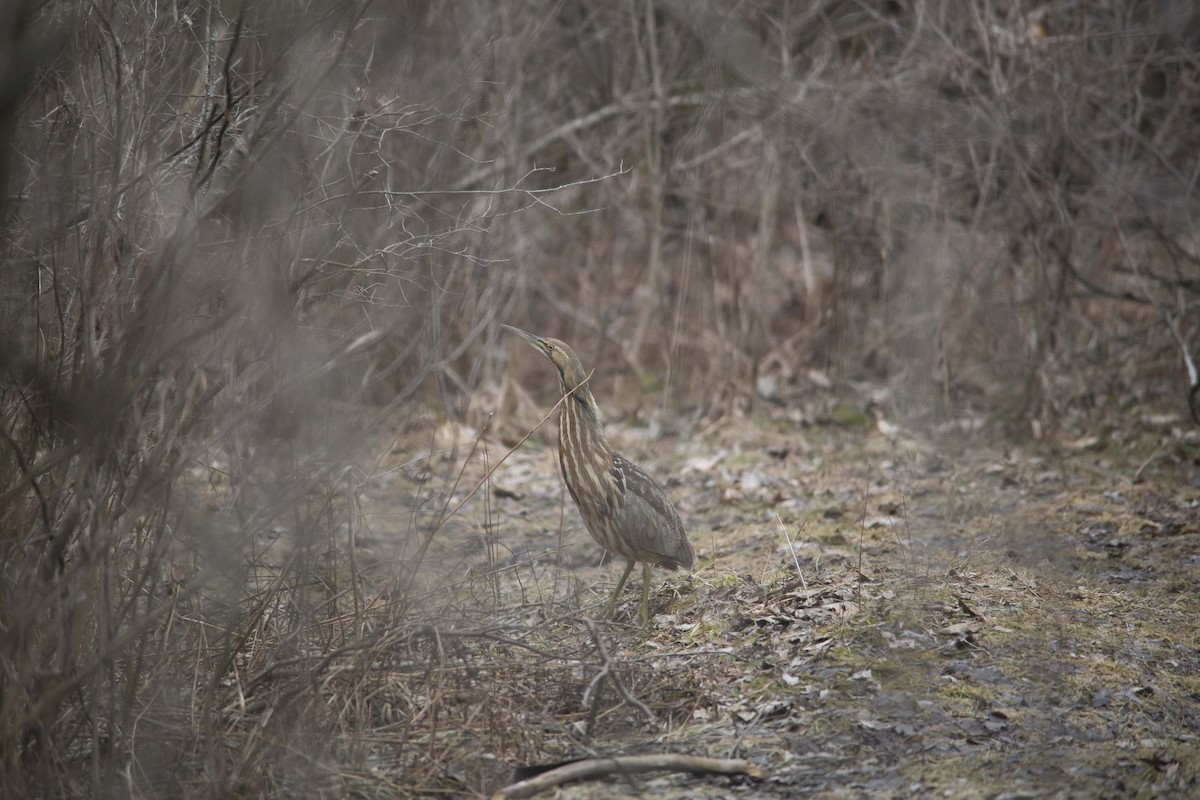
(211,284)
(931,196)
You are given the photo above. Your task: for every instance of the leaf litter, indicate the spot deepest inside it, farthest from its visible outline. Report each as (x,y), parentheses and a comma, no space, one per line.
(868,617)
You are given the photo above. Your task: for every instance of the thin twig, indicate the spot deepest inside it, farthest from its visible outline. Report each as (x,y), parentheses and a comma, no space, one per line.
(862,528)
(504,458)
(791,549)
(607,671)
(626,105)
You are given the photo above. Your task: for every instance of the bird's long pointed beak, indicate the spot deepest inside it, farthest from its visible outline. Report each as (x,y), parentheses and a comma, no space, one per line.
(536,341)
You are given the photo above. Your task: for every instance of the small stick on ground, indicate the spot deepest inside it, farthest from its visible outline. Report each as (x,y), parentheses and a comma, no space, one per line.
(595,768)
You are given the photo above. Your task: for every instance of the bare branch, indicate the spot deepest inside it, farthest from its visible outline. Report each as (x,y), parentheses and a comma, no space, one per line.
(597,768)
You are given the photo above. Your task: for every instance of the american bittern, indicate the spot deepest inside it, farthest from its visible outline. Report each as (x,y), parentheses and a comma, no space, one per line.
(622,508)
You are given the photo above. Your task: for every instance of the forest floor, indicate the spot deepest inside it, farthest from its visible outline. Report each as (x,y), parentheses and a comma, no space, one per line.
(871,615)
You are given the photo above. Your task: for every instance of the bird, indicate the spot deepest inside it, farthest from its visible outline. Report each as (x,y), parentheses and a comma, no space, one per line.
(622,507)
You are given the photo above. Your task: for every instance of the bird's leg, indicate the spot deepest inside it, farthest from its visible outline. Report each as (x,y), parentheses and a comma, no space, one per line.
(646,567)
(612,600)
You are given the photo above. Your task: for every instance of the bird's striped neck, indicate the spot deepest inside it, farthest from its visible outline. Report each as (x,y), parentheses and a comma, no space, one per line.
(584,453)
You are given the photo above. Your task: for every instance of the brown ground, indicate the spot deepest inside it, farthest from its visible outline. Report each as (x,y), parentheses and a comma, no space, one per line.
(871,616)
